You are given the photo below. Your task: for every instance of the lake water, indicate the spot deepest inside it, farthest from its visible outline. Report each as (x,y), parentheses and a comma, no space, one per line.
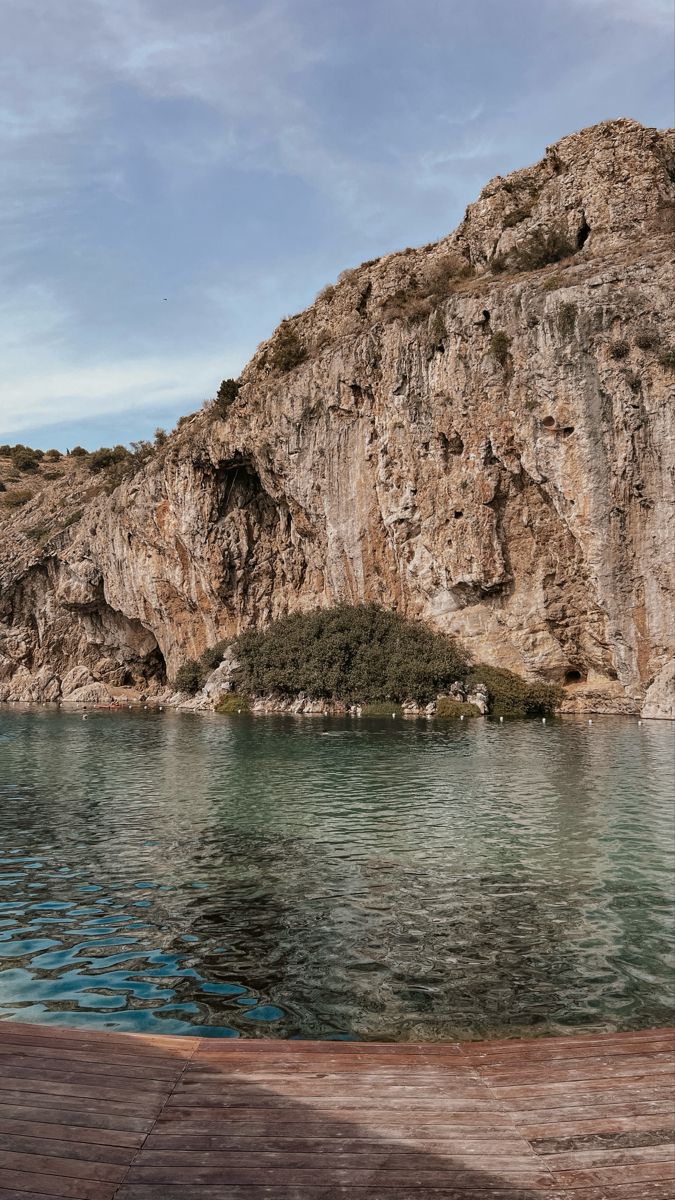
(285,877)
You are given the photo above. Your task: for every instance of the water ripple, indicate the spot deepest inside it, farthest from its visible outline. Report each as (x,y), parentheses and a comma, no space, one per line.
(282,878)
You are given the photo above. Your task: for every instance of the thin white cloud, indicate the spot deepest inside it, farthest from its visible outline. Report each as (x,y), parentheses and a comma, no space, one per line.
(75,392)
(656,13)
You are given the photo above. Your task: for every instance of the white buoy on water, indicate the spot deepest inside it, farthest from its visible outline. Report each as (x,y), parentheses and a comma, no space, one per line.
(590,722)
(461,717)
(543,720)
(501,720)
(639,722)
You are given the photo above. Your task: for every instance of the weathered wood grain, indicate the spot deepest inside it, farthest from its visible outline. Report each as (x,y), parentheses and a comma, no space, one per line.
(88,1116)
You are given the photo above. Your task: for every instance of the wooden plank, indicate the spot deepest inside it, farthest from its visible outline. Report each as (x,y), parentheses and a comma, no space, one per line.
(508,1054)
(63,1167)
(84,1117)
(652,1189)
(332,1191)
(173,1044)
(52,1185)
(91,1090)
(146,1078)
(71,1132)
(99,1114)
(608,1176)
(18,1143)
(50,1071)
(521,1176)
(153,1066)
(471,1140)
(614,1067)
(598,1157)
(612,1124)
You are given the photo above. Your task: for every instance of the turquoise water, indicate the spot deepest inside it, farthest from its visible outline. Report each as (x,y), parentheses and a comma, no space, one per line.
(285,877)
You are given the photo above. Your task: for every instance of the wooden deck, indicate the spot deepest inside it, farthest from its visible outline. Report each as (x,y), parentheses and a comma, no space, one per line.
(93,1116)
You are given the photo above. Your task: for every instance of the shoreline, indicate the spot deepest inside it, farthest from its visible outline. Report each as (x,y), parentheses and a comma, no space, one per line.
(153,706)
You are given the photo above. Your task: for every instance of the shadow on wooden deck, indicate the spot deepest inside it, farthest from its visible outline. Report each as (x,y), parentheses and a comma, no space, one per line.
(97,1116)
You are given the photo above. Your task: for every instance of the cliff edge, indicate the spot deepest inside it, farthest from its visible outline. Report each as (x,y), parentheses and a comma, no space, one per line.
(478,433)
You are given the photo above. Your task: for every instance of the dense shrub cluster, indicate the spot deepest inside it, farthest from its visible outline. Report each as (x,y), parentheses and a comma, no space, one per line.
(193,673)
(499,347)
(447,706)
(359,654)
(226,396)
(511,696)
(189,677)
(231,703)
(619,349)
(17,498)
(287,350)
(426,289)
(567,315)
(540,249)
(647,338)
(366,655)
(106,456)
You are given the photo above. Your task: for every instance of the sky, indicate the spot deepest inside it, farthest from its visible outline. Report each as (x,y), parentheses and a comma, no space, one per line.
(177,177)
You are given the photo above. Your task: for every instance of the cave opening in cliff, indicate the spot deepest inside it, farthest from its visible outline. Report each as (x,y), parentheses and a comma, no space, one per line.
(583,233)
(239,483)
(573,676)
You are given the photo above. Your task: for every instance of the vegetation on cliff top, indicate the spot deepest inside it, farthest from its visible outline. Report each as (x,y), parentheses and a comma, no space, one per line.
(363,654)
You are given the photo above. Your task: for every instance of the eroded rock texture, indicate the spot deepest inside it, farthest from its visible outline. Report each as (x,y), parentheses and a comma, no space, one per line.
(480,433)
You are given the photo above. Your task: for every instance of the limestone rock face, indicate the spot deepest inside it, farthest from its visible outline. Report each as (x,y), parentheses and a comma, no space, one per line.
(659,703)
(478,433)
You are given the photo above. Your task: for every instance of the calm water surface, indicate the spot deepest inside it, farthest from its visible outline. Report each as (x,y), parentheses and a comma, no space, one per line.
(281,877)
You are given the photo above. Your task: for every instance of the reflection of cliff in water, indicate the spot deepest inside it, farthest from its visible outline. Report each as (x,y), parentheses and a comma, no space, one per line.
(257,877)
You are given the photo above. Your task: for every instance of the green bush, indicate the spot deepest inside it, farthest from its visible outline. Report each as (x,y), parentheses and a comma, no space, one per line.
(667,359)
(106,457)
(286,351)
(540,249)
(511,696)
(78,452)
(231,703)
(499,347)
(53,455)
(619,349)
(17,498)
(227,394)
(447,706)
(212,657)
(423,292)
(647,338)
(385,708)
(189,677)
(567,315)
(358,653)
(24,460)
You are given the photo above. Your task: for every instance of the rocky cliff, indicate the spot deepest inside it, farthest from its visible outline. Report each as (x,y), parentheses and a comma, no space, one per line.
(478,433)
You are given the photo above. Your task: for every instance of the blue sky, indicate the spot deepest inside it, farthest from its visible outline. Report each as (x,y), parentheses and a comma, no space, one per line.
(177,177)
